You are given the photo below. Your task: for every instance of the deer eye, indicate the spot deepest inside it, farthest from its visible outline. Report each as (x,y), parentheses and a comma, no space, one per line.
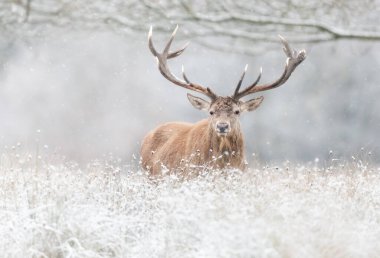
(212,112)
(237,112)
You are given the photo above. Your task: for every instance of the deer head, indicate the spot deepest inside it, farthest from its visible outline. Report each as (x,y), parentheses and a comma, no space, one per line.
(224,111)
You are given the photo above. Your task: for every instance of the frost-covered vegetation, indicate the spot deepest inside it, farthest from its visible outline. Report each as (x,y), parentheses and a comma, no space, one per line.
(52,208)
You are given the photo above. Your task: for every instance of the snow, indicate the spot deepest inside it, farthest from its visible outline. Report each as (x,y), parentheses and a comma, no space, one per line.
(52,208)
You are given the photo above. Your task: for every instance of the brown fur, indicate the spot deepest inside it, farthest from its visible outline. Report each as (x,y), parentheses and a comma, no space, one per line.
(216,142)
(184,145)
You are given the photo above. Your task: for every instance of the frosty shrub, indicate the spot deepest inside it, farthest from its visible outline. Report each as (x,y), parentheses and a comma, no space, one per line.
(50,208)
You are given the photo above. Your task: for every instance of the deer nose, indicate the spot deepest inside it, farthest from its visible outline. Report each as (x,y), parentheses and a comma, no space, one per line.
(222,127)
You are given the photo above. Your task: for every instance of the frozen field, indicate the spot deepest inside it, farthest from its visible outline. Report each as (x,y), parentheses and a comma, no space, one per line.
(54,209)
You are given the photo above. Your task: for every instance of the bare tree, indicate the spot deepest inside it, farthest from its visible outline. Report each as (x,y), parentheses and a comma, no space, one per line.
(238,22)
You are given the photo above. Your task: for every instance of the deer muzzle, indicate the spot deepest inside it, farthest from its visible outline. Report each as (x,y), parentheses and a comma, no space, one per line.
(222,128)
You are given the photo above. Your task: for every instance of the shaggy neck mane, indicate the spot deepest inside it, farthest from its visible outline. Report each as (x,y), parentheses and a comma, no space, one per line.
(230,147)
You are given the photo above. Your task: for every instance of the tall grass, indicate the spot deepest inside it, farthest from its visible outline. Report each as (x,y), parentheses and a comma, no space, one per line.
(50,208)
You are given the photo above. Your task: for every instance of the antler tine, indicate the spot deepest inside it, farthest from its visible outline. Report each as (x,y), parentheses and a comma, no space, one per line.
(287,50)
(150,42)
(165,71)
(237,93)
(294,58)
(167,47)
(178,52)
(184,75)
(240,81)
(170,54)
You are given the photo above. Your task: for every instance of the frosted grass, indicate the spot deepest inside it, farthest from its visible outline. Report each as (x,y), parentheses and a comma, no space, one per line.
(54,209)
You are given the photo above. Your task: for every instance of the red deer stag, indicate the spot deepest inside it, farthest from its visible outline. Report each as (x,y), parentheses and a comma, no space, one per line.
(216,142)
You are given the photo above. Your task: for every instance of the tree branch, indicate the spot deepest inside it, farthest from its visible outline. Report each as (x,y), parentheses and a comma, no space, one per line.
(226,19)
(27,9)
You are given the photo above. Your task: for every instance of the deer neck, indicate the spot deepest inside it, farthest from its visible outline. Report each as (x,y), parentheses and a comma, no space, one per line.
(228,149)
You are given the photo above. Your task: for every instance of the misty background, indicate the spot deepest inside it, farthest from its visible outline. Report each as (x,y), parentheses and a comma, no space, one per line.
(77,78)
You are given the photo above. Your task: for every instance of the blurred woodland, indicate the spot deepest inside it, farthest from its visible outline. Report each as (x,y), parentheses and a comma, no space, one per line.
(77,76)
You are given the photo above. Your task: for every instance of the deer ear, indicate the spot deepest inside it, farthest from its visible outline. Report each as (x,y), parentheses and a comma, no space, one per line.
(252,104)
(198,103)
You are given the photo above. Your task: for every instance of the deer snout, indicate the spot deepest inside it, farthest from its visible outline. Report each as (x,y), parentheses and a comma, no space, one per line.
(222,128)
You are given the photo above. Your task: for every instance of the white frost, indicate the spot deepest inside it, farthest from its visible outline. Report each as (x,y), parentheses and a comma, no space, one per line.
(105,210)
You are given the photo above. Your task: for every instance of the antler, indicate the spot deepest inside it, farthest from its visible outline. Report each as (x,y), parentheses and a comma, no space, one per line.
(164,69)
(293,60)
